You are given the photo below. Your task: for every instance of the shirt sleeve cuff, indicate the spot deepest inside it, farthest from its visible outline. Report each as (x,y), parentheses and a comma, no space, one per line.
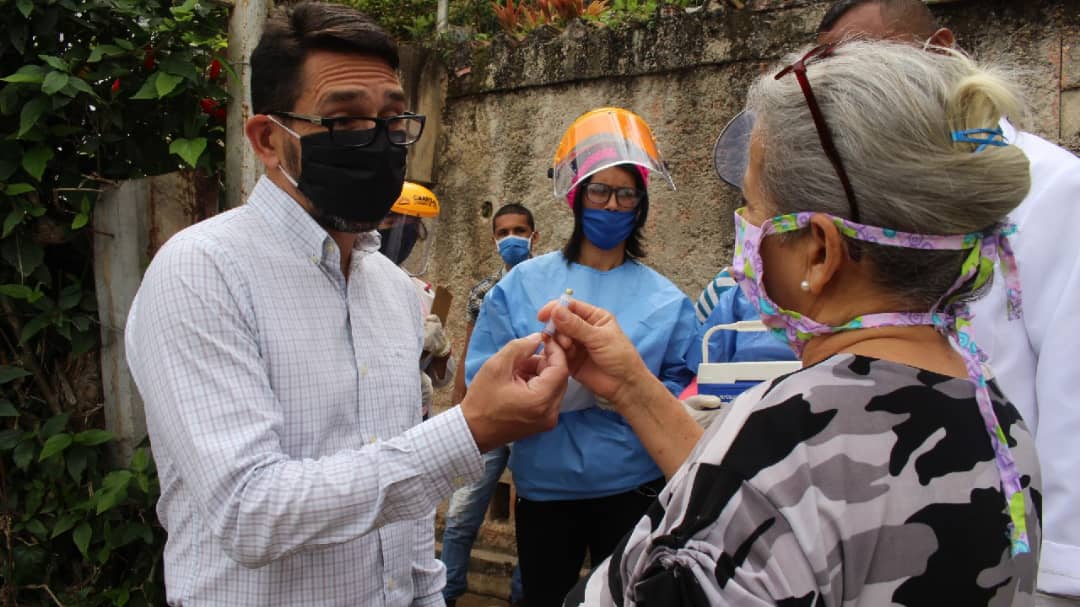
(449,456)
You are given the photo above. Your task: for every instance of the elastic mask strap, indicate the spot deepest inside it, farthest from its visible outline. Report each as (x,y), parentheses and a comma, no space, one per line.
(994,137)
(294,134)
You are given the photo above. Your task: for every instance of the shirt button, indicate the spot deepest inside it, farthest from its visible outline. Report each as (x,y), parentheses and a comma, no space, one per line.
(374,439)
(390,585)
(363,370)
(458,482)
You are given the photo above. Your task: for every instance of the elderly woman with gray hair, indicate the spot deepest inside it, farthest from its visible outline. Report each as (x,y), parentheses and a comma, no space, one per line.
(890,469)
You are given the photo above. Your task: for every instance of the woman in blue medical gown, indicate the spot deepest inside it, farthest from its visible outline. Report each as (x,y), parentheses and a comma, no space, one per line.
(583,485)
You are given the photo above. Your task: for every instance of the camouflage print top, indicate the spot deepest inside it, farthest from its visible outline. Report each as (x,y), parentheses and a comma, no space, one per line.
(854,482)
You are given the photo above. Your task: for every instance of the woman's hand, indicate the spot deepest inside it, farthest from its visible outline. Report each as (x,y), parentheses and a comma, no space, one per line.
(598,353)
(604,360)
(516,393)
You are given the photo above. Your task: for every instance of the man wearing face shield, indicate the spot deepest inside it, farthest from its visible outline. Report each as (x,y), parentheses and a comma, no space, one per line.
(406,236)
(275,351)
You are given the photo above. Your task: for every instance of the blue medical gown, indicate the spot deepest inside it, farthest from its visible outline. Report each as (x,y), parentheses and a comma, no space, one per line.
(731,346)
(592,452)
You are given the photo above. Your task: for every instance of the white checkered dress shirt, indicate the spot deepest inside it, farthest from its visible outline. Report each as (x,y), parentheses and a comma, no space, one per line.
(283,408)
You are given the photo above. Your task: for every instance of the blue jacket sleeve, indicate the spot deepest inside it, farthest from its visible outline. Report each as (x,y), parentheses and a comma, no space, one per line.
(673,371)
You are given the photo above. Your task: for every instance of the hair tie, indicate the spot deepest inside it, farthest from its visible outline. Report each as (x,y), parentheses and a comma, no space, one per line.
(994,137)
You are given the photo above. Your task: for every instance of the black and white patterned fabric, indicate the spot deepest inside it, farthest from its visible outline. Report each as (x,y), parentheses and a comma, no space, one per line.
(854,482)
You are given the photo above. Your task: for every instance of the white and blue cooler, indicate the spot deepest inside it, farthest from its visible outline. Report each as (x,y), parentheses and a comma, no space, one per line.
(728,380)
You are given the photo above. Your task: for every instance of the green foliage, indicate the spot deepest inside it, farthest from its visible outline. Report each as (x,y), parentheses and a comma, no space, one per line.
(404,19)
(91,92)
(415,19)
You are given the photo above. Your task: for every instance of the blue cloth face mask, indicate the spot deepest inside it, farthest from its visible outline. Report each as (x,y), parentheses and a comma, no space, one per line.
(606,229)
(513,249)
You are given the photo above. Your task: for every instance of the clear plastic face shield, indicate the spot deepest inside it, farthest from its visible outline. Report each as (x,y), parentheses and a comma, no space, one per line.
(407,233)
(732,150)
(601,139)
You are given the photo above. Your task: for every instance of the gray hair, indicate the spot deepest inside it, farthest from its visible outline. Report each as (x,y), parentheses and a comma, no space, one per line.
(891,108)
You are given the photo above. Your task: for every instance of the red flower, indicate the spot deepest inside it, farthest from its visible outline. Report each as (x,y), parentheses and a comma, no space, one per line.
(215,70)
(219,114)
(115,88)
(148,58)
(208,105)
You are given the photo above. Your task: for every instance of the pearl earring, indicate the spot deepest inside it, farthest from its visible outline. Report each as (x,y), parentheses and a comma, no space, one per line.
(805,285)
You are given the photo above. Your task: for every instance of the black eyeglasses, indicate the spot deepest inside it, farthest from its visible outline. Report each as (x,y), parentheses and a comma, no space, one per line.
(404,129)
(598,195)
(799,69)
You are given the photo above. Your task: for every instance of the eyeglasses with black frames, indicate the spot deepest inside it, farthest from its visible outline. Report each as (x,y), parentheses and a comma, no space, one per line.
(404,129)
(597,195)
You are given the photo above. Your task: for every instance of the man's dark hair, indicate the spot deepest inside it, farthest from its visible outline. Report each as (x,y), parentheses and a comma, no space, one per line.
(635,243)
(513,208)
(292,31)
(912,15)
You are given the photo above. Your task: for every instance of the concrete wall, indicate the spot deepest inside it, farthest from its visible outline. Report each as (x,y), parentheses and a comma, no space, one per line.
(506,106)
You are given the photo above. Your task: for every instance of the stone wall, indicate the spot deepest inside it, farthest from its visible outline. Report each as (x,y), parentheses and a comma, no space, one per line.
(504,107)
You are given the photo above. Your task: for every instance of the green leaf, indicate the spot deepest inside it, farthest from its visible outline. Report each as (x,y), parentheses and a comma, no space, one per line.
(143,482)
(80,85)
(55,62)
(117,480)
(27,74)
(17,189)
(93,437)
(13,219)
(55,445)
(76,459)
(23,254)
(167,83)
(30,113)
(149,88)
(24,454)
(179,66)
(82,537)
(188,149)
(25,7)
(80,221)
(8,373)
(140,460)
(55,424)
(104,50)
(64,524)
(8,439)
(124,44)
(70,296)
(82,323)
(108,499)
(34,327)
(83,342)
(7,409)
(17,291)
(53,82)
(36,159)
(37,528)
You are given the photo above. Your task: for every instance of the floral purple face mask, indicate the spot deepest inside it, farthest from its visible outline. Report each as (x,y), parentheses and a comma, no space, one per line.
(950,316)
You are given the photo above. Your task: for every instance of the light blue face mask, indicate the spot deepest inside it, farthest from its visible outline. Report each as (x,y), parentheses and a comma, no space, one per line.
(606,229)
(513,249)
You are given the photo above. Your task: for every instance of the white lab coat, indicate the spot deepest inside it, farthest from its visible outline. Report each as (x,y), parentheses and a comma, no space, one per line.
(1037,359)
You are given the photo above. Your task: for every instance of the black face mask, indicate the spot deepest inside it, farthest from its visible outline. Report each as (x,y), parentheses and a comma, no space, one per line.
(399,241)
(347,182)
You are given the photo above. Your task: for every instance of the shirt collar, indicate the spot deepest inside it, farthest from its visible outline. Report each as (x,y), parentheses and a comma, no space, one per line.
(299,228)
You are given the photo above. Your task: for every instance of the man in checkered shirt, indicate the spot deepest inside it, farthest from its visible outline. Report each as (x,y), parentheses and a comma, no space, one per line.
(276,351)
